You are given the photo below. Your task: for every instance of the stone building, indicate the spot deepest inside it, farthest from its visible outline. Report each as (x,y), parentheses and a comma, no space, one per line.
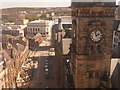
(13,29)
(39,26)
(1,68)
(14,52)
(91,50)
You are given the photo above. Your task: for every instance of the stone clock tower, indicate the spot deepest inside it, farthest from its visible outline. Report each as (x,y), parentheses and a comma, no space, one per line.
(92,42)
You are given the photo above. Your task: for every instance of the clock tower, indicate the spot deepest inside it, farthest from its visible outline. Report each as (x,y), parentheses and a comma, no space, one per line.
(92,30)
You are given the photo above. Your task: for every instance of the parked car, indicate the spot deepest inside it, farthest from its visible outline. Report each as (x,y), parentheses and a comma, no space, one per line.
(46,60)
(52,49)
(46,66)
(46,69)
(46,63)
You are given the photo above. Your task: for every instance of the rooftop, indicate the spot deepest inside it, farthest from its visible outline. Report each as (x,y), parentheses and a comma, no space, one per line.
(64,21)
(40,21)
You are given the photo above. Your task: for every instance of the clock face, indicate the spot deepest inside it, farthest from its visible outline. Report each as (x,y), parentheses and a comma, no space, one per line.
(96,35)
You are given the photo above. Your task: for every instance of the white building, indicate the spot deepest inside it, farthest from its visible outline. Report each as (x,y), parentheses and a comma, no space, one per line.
(116,41)
(12,29)
(39,26)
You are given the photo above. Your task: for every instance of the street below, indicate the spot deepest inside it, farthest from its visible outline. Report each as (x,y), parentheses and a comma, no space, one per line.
(44,78)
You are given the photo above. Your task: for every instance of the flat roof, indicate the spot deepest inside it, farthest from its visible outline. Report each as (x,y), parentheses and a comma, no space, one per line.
(64,21)
(40,21)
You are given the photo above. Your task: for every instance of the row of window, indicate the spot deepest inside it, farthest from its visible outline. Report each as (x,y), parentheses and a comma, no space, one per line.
(88,10)
(97,48)
(116,39)
(36,29)
(96,14)
(36,33)
(83,13)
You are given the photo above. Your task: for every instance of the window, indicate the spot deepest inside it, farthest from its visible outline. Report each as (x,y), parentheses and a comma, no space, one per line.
(74,22)
(96,23)
(99,48)
(84,12)
(116,34)
(91,47)
(14,64)
(90,74)
(97,74)
(94,74)
(114,45)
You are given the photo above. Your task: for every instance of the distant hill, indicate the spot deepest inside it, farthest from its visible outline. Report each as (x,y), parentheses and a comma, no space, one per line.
(34,9)
(11,14)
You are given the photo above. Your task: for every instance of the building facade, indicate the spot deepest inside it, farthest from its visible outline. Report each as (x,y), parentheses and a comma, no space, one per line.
(39,26)
(91,42)
(13,29)
(14,53)
(116,41)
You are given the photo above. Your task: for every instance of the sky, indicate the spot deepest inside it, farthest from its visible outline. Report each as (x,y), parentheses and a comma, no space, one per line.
(35,3)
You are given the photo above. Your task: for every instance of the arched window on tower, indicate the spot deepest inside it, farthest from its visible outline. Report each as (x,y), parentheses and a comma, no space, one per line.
(74,22)
(92,49)
(99,48)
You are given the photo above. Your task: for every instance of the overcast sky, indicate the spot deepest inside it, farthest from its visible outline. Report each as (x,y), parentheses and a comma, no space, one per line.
(35,3)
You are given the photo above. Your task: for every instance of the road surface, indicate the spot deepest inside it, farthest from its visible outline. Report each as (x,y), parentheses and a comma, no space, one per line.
(39,80)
